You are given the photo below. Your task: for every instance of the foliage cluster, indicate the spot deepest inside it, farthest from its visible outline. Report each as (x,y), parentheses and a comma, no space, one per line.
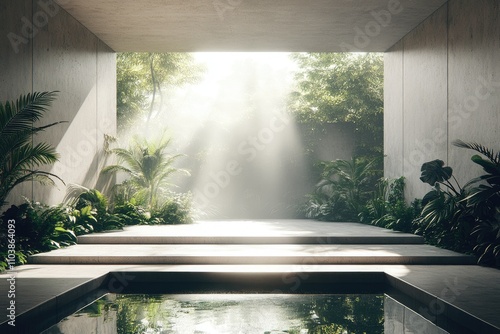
(341,88)
(343,189)
(148,166)
(467,218)
(388,208)
(461,218)
(41,228)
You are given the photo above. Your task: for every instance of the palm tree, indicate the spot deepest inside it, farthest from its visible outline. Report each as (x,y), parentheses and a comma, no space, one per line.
(148,166)
(19,158)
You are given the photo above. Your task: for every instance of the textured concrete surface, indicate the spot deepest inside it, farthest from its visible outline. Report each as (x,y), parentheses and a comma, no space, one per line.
(474,81)
(451,80)
(16,69)
(393,112)
(235,25)
(59,53)
(424,94)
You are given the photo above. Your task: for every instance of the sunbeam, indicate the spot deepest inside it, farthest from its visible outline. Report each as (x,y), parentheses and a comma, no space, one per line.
(243,149)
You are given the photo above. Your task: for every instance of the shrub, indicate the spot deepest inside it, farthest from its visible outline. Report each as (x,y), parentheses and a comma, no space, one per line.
(464,218)
(388,207)
(132,214)
(91,212)
(176,209)
(38,228)
(483,202)
(344,188)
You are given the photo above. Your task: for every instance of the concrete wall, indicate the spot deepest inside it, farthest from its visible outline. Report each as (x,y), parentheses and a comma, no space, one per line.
(442,83)
(43,48)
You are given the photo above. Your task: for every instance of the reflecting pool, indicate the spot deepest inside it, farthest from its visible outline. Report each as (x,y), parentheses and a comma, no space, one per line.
(228,313)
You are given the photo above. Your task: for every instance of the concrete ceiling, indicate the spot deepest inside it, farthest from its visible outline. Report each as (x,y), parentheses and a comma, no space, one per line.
(250,25)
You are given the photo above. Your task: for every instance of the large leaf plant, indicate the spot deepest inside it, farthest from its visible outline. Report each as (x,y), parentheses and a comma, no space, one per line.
(483,201)
(464,218)
(20,158)
(445,219)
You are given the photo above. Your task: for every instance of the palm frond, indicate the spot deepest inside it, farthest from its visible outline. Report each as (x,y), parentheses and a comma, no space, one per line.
(489,153)
(115,169)
(18,156)
(39,176)
(27,156)
(130,157)
(21,115)
(72,192)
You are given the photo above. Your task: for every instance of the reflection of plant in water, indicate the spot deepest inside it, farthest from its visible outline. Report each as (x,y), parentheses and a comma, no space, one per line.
(140,314)
(316,314)
(345,314)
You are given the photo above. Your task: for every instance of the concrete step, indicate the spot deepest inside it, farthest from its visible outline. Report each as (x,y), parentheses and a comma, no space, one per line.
(254,232)
(227,240)
(251,254)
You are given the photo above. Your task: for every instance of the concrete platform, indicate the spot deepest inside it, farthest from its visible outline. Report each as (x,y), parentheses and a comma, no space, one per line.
(290,231)
(251,254)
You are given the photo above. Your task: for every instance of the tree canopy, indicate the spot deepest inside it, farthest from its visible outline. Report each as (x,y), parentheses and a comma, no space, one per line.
(143,77)
(341,88)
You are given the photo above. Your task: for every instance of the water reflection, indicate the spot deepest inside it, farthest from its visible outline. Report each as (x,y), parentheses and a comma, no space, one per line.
(228,313)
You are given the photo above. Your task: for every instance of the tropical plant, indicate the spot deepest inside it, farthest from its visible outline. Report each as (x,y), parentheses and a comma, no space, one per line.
(132,214)
(343,190)
(19,157)
(40,228)
(175,209)
(483,201)
(20,257)
(445,219)
(388,207)
(90,211)
(149,168)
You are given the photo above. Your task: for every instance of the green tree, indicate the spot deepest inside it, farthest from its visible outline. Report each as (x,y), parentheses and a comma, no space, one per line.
(149,168)
(341,88)
(19,157)
(143,77)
